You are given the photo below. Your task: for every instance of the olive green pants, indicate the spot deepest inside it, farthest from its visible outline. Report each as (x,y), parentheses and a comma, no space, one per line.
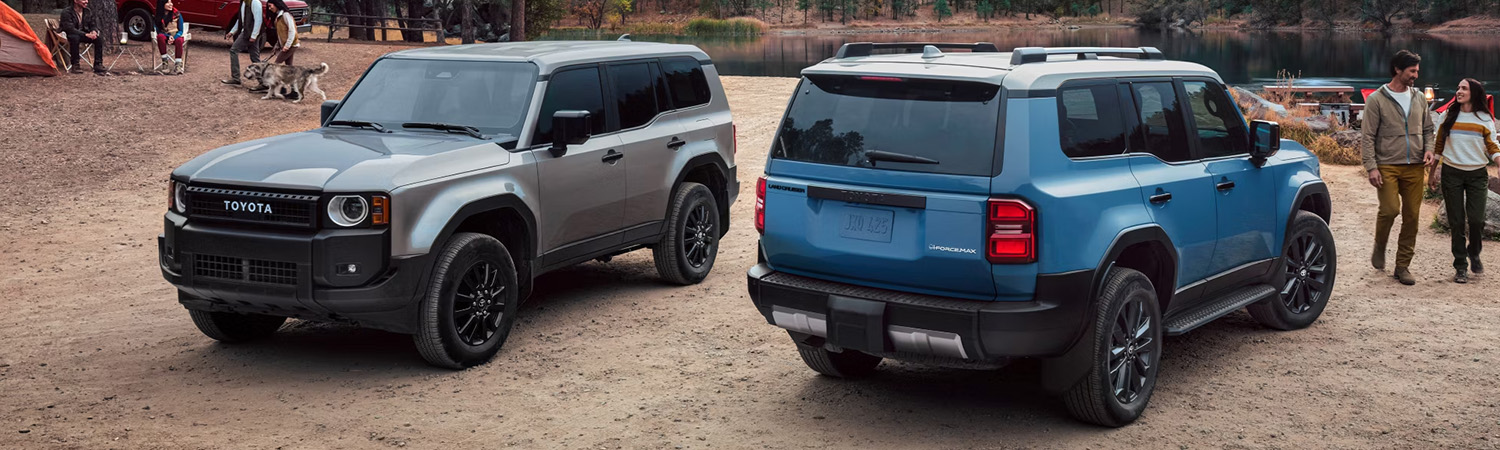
(1400,194)
(1464,196)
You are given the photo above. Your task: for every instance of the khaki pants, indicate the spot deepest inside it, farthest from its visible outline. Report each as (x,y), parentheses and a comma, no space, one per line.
(1400,193)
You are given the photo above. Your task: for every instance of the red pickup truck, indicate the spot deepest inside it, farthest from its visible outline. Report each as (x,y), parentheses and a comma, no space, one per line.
(138,15)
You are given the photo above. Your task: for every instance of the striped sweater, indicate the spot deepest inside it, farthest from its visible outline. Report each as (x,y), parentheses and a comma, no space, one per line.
(1471,144)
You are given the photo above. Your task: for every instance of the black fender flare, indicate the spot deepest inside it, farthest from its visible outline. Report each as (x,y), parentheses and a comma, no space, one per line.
(1061,373)
(717,162)
(503,201)
(1309,190)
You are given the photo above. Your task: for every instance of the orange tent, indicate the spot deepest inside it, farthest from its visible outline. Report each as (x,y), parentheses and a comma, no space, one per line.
(21,53)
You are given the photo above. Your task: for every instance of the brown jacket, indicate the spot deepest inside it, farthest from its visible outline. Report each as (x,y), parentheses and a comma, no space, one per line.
(1395,139)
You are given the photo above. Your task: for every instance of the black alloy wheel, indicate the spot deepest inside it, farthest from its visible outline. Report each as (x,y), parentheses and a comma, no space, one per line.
(479,304)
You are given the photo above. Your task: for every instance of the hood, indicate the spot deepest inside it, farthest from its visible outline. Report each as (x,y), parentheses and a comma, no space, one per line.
(335,159)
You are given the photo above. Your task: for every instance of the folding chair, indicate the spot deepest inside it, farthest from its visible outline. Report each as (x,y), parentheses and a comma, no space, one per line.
(187,38)
(58,44)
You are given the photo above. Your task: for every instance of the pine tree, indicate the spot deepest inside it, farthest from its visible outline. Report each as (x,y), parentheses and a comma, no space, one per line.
(941,9)
(985,10)
(804,5)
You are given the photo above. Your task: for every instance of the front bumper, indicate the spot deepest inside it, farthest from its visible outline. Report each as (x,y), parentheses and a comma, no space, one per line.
(291,273)
(899,324)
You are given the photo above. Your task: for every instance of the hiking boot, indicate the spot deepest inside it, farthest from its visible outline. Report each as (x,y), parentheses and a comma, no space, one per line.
(102,73)
(1462,277)
(1377,258)
(180,67)
(75,70)
(1476,266)
(231,81)
(1404,276)
(166,59)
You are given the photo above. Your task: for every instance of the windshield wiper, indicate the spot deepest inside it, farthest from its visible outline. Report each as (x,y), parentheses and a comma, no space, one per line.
(878,155)
(359,124)
(465,129)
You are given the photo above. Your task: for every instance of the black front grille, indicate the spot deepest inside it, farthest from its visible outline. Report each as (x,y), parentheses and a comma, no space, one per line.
(294,210)
(242,269)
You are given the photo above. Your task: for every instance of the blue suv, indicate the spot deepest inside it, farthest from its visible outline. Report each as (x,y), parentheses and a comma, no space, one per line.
(1073,205)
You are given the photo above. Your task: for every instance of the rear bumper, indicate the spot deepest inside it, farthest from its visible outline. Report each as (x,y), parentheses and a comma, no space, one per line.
(291,273)
(893,324)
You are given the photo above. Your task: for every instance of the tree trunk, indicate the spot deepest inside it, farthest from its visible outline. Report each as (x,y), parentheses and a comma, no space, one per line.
(517,20)
(466,24)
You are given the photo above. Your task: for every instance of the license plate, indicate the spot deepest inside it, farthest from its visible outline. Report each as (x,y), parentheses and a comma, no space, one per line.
(867,224)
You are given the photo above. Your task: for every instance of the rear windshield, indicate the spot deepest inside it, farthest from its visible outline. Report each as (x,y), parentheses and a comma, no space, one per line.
(840,120)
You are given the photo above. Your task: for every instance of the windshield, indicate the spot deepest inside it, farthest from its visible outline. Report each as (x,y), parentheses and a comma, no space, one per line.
(489,96)
(861,121)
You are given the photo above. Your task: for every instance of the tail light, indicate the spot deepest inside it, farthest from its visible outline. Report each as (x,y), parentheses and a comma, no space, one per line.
(760,205)
(1011,225)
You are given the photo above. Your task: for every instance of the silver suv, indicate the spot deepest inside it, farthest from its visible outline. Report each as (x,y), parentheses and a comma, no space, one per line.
(446,181)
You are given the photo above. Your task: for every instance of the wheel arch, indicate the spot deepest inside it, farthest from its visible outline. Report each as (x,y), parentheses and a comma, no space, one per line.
(1148,250)
(708,169)
(505,218)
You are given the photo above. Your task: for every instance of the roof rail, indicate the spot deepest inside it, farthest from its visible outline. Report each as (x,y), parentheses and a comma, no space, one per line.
(1024,55)
(854,49)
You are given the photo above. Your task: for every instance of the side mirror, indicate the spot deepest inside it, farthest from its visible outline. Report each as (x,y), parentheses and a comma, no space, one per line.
(1265,140)
(569,128)
(328,107)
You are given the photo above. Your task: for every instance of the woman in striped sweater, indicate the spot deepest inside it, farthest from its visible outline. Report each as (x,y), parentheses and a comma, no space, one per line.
(1465,144)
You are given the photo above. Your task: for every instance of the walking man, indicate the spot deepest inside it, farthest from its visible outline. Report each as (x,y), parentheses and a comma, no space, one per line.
(1400,132)
(78,24)
(246,37)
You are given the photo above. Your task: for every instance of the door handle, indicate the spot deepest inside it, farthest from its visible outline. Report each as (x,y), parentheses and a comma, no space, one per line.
(1162,197)
(676,143)
(612,156)
(1225,185)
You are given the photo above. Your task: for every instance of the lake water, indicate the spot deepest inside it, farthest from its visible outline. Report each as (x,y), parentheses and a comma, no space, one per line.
(1241,58)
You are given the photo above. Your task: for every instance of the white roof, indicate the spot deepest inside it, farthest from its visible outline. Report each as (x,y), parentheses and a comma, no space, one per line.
(997,68)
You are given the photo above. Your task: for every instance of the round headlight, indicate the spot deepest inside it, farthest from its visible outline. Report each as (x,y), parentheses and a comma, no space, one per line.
(179,198)
(348,210)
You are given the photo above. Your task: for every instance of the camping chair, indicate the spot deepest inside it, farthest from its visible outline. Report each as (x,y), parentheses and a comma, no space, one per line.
(187,38)
(58,43)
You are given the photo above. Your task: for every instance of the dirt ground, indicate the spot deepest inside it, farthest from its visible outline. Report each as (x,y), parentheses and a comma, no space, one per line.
(95,352)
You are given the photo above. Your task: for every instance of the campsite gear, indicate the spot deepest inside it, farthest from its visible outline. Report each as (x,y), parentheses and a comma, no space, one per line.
(21,53)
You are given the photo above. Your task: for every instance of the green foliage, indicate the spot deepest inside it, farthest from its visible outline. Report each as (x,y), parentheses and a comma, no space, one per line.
(735,27)
(985,10)
(941,10)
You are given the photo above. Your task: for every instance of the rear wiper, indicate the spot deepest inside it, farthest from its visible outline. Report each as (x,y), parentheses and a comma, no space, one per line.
(359,124)
(465,129)
(878,155)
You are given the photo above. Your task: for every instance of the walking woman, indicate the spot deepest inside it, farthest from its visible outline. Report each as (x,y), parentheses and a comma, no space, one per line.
(1466,144)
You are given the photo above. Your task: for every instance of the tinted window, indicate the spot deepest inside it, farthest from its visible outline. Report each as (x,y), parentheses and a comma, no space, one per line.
(1221,131)
(492,97)
(1160,131)
(1088,119)
(663,99)
(840,120)
(576,89)
(634,95)
(685,80)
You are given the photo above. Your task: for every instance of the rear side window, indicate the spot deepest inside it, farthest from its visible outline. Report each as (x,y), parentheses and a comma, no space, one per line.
(1089,121)
(576,89)
(868,121)
(1221,131)
(686,82)
(635,97)
(1161,131)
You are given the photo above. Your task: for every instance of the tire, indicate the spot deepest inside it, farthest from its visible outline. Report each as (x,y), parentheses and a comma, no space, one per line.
(139,24)
(845,364)
(470,304)
(232,328)
(1127,302)
(1310,262)
(690,244)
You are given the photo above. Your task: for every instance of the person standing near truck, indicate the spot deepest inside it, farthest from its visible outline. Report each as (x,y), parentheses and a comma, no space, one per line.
(1400,131)
(246,37)
(287,41)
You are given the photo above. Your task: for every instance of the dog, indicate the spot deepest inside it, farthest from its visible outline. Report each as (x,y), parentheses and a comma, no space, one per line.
(279,77)
(253,72)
